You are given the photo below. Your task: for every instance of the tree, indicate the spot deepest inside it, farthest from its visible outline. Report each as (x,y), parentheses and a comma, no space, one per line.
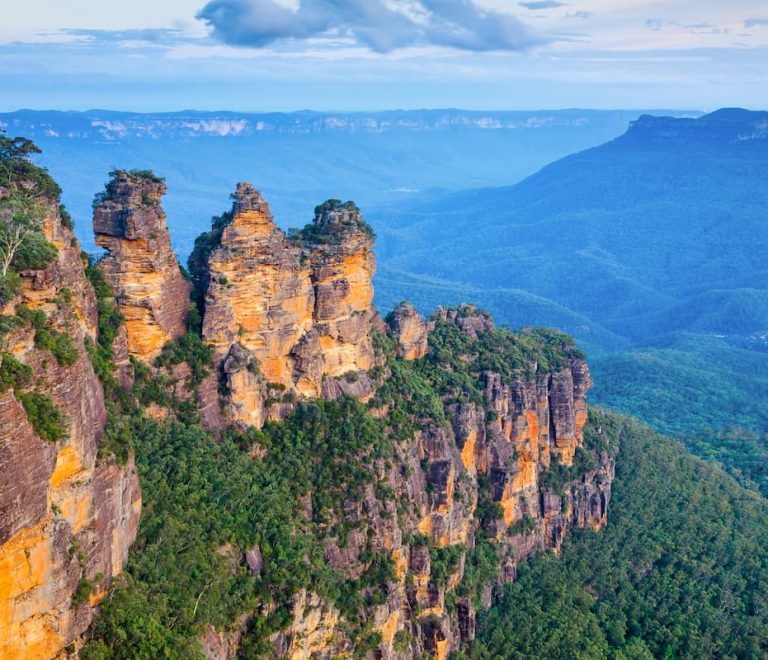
(21,215)
(24,188)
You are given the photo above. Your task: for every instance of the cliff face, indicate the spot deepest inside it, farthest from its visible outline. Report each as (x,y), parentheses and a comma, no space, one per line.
(140,264)
(67,517)
(500,469)
(289,317)
(507,477)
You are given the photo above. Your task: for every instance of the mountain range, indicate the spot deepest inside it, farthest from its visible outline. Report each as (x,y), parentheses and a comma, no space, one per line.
(650,249)
(299,158)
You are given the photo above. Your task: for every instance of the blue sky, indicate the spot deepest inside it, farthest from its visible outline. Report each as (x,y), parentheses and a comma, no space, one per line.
(150,55)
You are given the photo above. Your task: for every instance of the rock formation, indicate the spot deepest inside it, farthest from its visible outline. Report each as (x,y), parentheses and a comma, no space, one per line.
(289,317)
(140,265)
(67,516)
(477,451)
(411,331)
(510,475)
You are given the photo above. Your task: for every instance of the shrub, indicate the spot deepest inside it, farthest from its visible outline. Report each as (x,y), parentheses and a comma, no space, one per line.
(82,593)
(63,347)
(44,416)
(13,374)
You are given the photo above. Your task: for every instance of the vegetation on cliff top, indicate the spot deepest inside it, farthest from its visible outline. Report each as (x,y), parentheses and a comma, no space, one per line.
(26,192)
(283,490)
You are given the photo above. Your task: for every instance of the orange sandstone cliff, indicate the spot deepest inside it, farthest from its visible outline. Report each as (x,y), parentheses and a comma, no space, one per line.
(496,464)
(67,515)
(140,265)
(288,317)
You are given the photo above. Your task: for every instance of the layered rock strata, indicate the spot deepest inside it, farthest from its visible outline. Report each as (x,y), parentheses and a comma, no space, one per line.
(140,265)
(67,517)
(287,316)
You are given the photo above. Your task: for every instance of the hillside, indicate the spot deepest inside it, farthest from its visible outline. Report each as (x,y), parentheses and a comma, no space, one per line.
(653,243)
(299,158)
(680,571)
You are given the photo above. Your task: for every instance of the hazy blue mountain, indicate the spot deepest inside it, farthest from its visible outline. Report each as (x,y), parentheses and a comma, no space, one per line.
(300,159)
(656,242)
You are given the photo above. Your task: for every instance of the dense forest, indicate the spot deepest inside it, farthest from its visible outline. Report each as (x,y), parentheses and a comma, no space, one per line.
(680,571)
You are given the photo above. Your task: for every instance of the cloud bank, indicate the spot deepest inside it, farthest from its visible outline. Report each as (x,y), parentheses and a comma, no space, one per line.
(542,4)
(374,24)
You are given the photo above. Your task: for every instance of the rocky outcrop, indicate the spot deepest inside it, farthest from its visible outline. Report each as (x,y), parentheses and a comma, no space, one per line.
(289,317)
(510,474)
(140,265)
(411,331)
(67,517)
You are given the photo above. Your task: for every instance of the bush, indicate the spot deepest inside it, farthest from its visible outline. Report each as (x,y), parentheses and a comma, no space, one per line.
(82,593)
(63,347)
(13,374)
(189,348)
(44,416)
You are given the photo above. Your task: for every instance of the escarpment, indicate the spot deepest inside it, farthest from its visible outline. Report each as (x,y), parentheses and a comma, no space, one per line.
(370,485)
(479,459)
(288,317)
(140,265)
(67,513)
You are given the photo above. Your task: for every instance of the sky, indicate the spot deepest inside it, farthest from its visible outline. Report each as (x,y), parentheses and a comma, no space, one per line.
(282,55)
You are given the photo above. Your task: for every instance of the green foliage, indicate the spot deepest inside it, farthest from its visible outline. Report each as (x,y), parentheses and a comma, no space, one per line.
(680,570)
(689,384)
(324,233)
(117,441)
(63,347)
(15,154)
(25,192)
(409,394)
(205,244)
(35,253)
(46,418)
(455,361)
(66,218)
(135,176)
(110,321)
(444,562)
(201,496)
(191,349)
(740,452)
(82,593)
(9,284)
(481,567)
(488,509)
(525,526)
(13,374)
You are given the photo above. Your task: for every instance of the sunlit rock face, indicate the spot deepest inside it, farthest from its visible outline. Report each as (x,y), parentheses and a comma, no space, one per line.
(411,331)
(66,516)
(140,265)
(289,317)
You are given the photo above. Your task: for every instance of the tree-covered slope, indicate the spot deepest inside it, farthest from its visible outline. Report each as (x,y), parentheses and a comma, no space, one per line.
(672,210)
(650,250)
(680,571)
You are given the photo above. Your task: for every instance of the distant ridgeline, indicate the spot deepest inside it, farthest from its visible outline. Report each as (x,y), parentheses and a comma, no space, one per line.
(314,479)
(650,250)
(372,157)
